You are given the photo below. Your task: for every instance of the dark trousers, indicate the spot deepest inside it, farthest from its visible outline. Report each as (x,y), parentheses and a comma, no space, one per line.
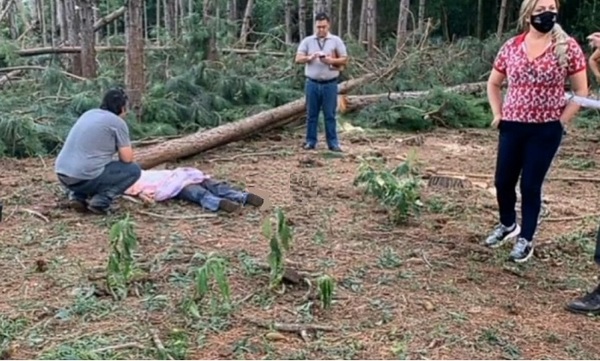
(525,149)
(597,252)
(209,194)
(114,181)
(321,96)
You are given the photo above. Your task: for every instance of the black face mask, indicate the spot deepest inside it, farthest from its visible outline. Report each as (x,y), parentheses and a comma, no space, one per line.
(543,22)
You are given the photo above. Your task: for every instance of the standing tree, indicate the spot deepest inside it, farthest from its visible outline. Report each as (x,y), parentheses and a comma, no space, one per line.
(134,60)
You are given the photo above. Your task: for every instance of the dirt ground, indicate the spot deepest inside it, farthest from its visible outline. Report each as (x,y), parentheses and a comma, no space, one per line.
(424,290)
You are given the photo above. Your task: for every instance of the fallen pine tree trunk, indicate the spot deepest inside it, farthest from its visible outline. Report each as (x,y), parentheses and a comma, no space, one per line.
(202,141)
(348,103)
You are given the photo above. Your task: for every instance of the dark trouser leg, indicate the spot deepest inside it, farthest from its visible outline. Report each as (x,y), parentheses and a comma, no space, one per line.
(590,302)
(509,163)
(196,193)
(330,92)
(597,251)
(225,190)
(113,182)
(314,101)
(540,150)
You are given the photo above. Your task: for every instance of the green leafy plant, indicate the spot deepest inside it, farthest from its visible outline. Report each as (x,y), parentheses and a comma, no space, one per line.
(279,243)
(121,263)
(326,288)
(213,271)
(398,190)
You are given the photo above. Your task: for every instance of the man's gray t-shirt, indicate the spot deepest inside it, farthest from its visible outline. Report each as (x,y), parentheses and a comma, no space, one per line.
(91,144)
(329,45)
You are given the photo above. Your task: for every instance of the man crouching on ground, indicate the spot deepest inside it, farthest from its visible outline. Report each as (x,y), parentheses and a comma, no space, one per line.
(85,164)
(192,185)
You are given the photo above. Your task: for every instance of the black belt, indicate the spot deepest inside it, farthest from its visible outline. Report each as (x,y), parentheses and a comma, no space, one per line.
(327,81)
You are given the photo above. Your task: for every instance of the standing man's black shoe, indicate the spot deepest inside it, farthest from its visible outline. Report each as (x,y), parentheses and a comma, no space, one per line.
(590,303)
(307,146)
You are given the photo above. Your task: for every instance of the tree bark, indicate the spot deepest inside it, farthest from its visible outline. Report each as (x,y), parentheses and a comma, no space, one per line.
(102,22)
(348,103)
(78,49)
(401,30)
(246,23)
(134,60)
(226,133)
(289,6)
(302,19)
(349,18)
(88,42)
(73,25)
(501,18)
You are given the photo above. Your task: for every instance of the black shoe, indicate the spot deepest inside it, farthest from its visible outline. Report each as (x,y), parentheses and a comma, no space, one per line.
(501,234)
(308,146)
(254,200)
(102,210)
(75,203)
(589,303)
(522,251)
(228,206)
(336,149)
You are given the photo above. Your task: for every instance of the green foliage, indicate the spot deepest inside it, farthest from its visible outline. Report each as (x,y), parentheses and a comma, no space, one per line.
(326,290)
(213,269)
(438,109)
(398,190)
(121,263)
(279,243)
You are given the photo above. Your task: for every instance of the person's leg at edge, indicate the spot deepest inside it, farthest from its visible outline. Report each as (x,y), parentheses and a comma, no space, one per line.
(590,302)
(227,191)
(313,107)
(330,92)
(509,162)
(198,194)
(540,150)
(113,182)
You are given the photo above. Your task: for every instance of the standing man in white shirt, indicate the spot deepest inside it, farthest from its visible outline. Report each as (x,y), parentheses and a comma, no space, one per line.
(323,55)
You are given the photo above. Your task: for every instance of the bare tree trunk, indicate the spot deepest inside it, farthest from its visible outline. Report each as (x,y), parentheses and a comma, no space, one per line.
(73,24)
(340,18)
(421,21)
(88,50)
(53,22)
(158,17)
(246,23)
(362,28)
(134,60)
(371,27)
(289,4)
(479,29)
(169,12)
(233,13)
(206,11)
(146,32)
(501,18)
(302,18)
(349,18)
(42,18)
(62,21)
(401,31)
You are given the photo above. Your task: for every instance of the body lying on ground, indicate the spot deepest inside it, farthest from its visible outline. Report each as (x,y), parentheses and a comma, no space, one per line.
(192,185)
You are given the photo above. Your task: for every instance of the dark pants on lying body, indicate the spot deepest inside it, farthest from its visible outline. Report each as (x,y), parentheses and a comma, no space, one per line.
(525,149)
(209,194)
(116,178)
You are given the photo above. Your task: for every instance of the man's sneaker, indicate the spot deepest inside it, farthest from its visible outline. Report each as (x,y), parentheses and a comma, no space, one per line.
(336,149)
(522,250)
(228,206)
(308,146)
(254,200)
(501,234)
(589,303)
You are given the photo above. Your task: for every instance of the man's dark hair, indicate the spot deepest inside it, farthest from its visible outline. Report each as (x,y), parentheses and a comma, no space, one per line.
(114,101)
(321,17)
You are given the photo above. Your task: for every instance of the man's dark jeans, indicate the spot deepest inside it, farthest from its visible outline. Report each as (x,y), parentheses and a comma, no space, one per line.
(321,96)
(526,150)
(114,181)
(209,194)
(597,252)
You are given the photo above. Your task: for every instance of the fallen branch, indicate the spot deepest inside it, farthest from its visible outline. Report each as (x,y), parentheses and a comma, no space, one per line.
(491,176)
(6,77)
(43,68)
(253,52)
(35,213)
(291,327)
(347,103)
(8,6)
(77,49)
(159,345)
(244,155)
(100,23)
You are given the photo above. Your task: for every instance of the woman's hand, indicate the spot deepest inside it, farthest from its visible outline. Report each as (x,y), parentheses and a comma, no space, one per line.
(496,121)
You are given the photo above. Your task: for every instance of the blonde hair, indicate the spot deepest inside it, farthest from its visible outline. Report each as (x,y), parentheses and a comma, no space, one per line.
(559,36)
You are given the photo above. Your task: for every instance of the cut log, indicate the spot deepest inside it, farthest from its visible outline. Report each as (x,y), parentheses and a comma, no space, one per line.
(77,49)
(202,141)
(6,77)
(109,18)
(348,103)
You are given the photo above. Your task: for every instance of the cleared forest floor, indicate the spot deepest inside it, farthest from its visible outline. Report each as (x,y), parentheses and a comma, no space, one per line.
(426,290)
